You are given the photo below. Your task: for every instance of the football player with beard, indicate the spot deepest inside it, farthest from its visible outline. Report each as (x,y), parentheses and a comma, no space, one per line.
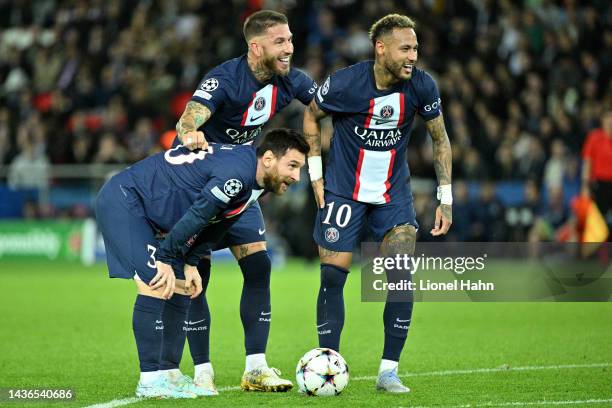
(192,198)
(231,105)
(373,105)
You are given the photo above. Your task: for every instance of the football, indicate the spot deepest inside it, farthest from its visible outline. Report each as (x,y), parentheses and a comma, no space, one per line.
(322,372)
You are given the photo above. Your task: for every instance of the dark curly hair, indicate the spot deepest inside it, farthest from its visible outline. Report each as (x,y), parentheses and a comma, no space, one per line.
(386,25)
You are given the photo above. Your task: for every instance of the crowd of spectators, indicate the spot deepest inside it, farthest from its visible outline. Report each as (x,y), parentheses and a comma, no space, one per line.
(522,83)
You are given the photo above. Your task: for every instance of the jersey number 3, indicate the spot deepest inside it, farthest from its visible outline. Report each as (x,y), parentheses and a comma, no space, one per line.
(183,158)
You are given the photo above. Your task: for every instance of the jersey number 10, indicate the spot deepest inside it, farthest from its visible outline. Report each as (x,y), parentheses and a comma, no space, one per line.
(343,215)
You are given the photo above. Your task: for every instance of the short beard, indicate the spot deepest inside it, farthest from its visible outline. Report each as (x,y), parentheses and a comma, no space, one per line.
(271,183)
(270,65)
(395,70)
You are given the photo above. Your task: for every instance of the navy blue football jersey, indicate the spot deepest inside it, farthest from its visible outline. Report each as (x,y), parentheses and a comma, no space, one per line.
(181,191)
(367,160)
(241,105)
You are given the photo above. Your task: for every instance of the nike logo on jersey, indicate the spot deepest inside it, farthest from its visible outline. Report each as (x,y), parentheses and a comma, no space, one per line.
(261,231)
(321,325)
(265,314)
(254,118)
(401,321)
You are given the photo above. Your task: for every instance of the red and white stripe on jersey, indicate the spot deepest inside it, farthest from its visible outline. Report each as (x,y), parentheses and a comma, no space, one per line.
(373,175)
(261,108)
(386,112)
(254,196)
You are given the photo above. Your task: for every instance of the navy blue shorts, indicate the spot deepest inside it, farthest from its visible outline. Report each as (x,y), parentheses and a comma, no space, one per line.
(249,228)
(341,225)
(129,239)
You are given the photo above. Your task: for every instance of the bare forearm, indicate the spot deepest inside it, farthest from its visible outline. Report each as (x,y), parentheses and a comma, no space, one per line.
(442,155)
(194,116)
(312,133)
(312,128)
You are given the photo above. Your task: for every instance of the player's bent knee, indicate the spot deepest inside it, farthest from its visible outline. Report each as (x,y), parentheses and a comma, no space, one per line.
(400,239)
(243,250)
(339,259)
(144,289)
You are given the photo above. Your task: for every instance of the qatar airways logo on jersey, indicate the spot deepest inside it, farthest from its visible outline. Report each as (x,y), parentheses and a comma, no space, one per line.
(379,138)
(383,122)
(244,137)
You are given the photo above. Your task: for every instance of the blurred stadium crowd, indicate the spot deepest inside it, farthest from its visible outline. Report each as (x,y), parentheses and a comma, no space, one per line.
(522,84)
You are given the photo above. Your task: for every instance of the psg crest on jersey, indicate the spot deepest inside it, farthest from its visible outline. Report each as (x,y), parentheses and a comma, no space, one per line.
(209,85)
(232,187)
(325,87)
(332,234)
(260,103)
(386,111)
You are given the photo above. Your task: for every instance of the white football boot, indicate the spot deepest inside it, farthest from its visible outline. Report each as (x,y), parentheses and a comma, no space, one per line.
(162,388)
(389,381)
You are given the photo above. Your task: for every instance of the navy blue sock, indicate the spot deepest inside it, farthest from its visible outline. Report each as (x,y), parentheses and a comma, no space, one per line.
(148,329)
(198,319)
(396,317)
(255,311)
(173,340)
(330,306)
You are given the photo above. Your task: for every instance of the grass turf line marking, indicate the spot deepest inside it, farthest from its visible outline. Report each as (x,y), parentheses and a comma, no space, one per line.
(115,403)
(491,370)
(563,402)
(524,403)
(126,401)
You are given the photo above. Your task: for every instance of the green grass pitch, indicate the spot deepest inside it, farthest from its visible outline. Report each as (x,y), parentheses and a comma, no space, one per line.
(66,325)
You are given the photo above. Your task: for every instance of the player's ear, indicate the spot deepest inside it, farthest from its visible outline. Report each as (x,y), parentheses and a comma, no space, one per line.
(255,47)
(268,158)
(379,47)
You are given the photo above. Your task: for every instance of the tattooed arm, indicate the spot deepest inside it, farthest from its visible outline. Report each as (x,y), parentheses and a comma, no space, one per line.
(312,132)
(443,166)
(312,127)
(193,117)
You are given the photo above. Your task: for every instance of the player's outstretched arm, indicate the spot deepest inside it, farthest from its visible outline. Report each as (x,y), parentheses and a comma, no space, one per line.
(194,116)
(312,132)
(442,158)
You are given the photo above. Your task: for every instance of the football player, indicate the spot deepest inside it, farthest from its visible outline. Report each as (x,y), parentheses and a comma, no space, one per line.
(373,104)
(193,198)
(231,105)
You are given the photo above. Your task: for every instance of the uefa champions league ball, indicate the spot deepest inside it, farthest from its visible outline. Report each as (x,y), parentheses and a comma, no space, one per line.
(322,372)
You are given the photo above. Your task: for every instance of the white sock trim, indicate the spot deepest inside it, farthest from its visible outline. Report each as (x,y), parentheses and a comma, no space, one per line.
(386,365)
(254,361)
(147,377)
(203,368)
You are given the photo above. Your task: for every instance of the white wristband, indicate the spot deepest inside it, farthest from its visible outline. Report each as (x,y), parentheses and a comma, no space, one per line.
(315,168)
(445,194)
